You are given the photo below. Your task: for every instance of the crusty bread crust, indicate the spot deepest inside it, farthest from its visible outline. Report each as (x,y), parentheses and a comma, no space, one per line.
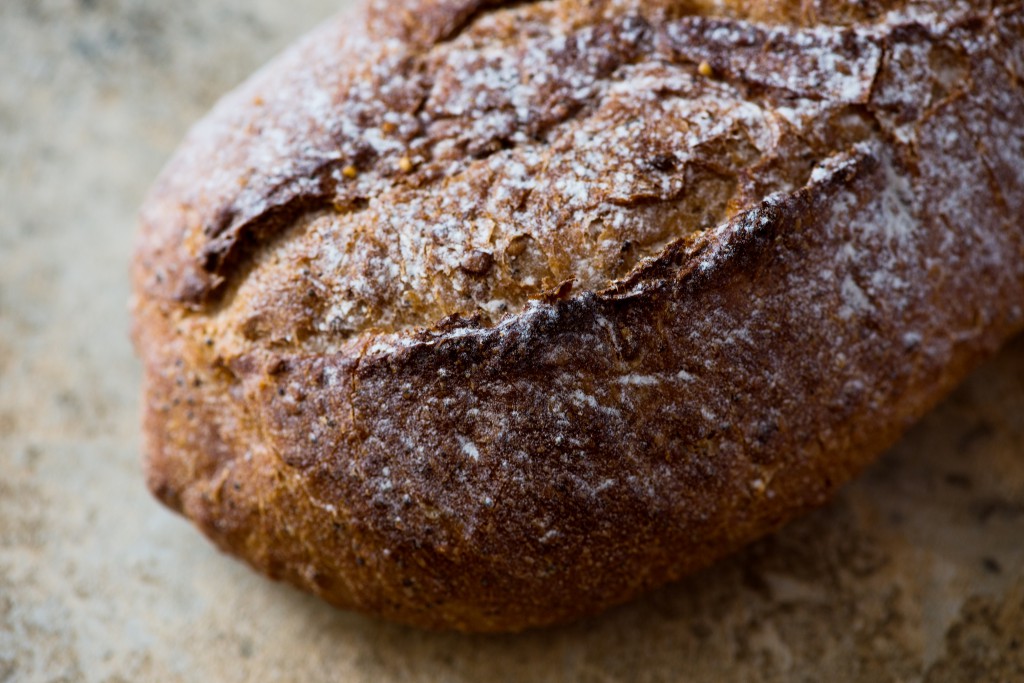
(485,317)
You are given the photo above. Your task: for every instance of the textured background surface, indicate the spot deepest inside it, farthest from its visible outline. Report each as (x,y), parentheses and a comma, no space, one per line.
(916,573)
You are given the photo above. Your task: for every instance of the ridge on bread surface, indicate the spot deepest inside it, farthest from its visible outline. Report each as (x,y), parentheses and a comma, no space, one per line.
(633,147)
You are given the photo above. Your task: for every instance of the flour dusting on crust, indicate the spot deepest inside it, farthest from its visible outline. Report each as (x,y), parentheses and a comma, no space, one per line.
(489,316)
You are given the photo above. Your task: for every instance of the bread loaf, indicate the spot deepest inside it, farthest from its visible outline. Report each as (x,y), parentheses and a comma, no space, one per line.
(486,316)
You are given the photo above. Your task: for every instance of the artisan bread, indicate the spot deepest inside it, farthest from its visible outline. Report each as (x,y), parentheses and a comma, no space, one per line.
(486,316)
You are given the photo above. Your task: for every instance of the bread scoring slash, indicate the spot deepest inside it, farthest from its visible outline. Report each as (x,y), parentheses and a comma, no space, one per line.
(487,316)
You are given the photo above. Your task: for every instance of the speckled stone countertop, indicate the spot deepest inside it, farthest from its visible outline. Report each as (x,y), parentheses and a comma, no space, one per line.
(916,572)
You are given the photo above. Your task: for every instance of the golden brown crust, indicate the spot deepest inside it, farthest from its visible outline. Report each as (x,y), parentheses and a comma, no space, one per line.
(487,358)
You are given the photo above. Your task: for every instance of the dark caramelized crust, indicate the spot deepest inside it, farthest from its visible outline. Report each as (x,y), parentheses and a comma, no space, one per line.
(486,316)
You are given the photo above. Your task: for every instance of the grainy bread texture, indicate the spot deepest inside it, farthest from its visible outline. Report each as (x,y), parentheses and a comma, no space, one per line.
(487,316)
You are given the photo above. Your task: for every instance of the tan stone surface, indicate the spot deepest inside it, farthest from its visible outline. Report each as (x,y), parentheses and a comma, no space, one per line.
(916,573)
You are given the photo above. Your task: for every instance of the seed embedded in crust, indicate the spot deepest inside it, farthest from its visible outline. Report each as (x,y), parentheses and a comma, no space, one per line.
(705,70)
(477,262)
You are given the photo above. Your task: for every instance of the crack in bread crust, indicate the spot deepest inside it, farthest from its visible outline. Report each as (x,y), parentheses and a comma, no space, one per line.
(300,164)
(450,464)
